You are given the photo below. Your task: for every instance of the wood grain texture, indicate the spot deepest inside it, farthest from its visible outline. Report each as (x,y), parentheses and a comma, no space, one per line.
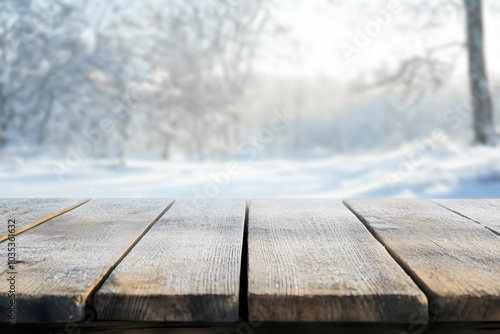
(313,260)
(187,268)
(454,260)
(484,211)
(61,263)
(31,212)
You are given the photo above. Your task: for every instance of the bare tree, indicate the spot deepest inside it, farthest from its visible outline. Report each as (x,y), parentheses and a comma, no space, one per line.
(418,76)
(208,49)
(79,62)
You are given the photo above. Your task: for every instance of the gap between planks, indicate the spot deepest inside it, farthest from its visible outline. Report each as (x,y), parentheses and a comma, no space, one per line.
(43,220)
(313,260)
(482,215)
(243,298)
(52,293)
(462,257)
(91,292)
(187,268)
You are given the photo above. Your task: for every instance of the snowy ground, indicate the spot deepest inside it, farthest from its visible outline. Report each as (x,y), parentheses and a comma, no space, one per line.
(444,172)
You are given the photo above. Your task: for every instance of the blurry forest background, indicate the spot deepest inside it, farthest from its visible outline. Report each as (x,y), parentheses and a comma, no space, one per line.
(109,94)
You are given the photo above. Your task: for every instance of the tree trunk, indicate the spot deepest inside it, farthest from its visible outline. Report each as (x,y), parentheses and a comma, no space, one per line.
(481,99)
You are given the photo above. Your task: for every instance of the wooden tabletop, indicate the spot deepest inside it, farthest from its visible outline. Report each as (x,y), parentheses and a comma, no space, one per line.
(407,265)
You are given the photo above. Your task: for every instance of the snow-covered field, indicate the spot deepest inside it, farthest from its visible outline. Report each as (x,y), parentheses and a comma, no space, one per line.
(444,172)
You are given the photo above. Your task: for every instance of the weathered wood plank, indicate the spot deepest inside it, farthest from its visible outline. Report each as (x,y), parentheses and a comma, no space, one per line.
(483,211)
(187,268)
(30,212)
(313,260)
(454,260)
(61,263)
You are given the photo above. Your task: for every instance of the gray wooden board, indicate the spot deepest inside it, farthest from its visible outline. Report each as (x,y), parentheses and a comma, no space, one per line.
(62,262)
(30,212)
(187,268)
(455,261)
(483,211)
(313,260)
